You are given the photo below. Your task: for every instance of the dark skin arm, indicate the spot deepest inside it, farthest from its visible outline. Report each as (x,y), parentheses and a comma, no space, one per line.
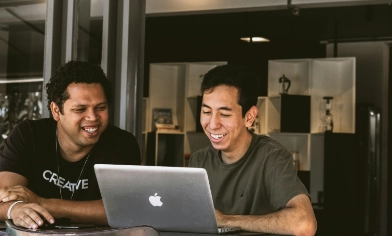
(34,209)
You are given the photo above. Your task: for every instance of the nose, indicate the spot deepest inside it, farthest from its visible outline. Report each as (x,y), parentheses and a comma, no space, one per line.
(214,122)
(91,114)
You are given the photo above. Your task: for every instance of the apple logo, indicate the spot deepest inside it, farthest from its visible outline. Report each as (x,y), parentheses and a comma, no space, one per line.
(155,200)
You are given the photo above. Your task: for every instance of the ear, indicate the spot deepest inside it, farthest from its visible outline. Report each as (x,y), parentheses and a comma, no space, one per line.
(250,116)
(55,111)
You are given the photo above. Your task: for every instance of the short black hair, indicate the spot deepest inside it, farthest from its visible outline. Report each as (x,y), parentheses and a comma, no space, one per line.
(75,72)
(240,77)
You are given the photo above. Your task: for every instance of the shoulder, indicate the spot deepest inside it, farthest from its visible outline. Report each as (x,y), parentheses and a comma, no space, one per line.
(115,133)
(207,151)
(117,146)
(37,124)
(202,155)
(268,144)
(268,152)
(34,127)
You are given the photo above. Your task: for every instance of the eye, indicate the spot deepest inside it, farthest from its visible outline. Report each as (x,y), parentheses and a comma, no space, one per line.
(79,110)
(224,115)
(101,108)
(206,112)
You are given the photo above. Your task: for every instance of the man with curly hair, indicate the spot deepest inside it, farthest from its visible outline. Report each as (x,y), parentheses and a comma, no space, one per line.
(46,167)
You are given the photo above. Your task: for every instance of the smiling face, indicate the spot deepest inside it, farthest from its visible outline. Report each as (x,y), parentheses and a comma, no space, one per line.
(222,121)
(85,116)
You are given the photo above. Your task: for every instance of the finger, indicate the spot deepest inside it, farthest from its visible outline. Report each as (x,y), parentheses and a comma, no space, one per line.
(19,222)
(7,195)
(43,214)
(27,217)
(12,197)
(13,193)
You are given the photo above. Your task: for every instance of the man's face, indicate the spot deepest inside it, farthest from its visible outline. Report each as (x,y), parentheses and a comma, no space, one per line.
(85,115)
(221,118)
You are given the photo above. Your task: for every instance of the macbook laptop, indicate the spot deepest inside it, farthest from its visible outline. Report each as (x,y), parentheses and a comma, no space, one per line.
(176,199)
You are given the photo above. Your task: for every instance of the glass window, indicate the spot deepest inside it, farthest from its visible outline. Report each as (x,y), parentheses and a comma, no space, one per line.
(89,46)
(22,36)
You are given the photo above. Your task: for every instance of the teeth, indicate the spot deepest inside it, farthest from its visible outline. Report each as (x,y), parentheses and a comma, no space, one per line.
(90,130)
(217,136)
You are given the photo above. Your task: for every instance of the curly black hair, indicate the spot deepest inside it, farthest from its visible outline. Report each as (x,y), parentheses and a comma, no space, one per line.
(75,72)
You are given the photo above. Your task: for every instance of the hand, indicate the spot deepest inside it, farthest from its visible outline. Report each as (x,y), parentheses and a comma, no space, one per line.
(30,215)
(19,193)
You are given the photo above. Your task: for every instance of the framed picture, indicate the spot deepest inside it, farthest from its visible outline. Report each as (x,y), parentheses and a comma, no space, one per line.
(163,118)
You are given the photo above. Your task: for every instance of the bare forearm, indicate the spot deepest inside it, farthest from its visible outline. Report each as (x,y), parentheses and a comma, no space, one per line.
(281,222)
(92,212)
(297,218)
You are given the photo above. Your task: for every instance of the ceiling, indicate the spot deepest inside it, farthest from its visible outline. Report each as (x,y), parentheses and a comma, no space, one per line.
(343,23)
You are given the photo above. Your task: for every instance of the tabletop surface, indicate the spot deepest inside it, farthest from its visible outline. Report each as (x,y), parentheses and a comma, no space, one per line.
(138,231)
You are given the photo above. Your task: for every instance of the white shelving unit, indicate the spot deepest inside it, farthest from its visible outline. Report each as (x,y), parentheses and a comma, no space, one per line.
(316,78)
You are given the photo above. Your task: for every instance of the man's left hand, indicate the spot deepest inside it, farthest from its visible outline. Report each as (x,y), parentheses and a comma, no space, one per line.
(19,193)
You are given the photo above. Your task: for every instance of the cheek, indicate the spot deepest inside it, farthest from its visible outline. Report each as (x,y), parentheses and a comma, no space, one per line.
(104,115)
(203,120)
(233,125)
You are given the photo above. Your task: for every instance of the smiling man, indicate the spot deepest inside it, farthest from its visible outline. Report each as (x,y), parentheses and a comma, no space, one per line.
(253,181)
(46,167)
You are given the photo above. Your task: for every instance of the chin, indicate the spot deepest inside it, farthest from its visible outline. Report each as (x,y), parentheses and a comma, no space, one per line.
(218,146)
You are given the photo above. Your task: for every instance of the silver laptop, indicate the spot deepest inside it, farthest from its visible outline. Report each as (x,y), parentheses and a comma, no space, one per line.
(176,199)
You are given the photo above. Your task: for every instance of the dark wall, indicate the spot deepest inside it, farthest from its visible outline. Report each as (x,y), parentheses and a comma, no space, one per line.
(216,37)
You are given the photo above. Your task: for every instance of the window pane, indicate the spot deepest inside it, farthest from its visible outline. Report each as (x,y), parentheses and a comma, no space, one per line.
(22,31)
(90,31)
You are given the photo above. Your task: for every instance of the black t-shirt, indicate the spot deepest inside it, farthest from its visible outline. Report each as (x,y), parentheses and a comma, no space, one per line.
(30,150)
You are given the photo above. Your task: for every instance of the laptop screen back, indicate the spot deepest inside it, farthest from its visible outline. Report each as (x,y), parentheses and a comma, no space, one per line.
(166,198)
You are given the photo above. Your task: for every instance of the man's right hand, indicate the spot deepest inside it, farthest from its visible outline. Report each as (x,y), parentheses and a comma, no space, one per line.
(30,215)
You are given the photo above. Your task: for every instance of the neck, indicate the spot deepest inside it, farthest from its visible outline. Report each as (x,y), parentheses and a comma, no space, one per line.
(238,151)
(70,151)
(73,155)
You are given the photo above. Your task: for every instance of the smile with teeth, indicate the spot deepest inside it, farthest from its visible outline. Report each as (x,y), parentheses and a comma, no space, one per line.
(91,129)
(217,136)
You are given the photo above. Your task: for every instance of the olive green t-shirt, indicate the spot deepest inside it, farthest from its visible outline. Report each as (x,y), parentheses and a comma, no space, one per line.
(261,182)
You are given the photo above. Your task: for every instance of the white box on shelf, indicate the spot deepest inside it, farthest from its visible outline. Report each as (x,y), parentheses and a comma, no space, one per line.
(262,115)
(273,114)
(333,77)
(296,70)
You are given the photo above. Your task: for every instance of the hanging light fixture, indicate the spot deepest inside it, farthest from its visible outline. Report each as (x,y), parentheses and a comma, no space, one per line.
(255,39)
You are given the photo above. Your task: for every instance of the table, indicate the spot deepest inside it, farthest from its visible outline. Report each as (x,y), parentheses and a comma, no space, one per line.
(104,231)
(13,230)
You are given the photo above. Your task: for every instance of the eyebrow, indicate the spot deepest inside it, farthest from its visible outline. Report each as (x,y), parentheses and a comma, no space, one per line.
(220,108)
(85,105)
